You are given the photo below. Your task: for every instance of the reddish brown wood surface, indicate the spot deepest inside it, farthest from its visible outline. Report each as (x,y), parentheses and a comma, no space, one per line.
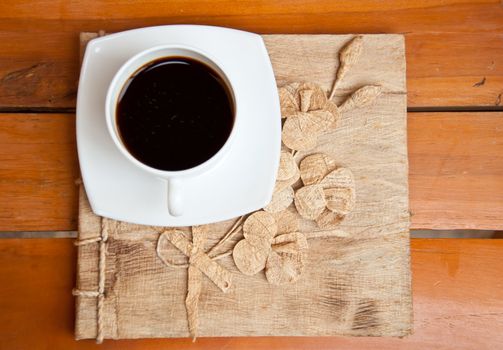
(456,171)
(454,58)
(342,13)
(457,286)
(38,169)
(451,45)
(455,69)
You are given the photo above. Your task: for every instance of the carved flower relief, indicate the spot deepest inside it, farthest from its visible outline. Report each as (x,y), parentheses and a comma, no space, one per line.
(328,194)
(271,238)
(288,174)
(280,251)
(308,112)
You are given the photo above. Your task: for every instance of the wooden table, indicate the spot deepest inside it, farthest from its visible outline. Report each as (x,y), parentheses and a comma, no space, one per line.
(455,98)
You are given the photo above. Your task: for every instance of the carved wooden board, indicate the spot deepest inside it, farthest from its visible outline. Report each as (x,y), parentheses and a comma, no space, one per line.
(356,284)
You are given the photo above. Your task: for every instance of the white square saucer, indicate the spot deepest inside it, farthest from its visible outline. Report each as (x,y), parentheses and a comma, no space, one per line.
(244,179)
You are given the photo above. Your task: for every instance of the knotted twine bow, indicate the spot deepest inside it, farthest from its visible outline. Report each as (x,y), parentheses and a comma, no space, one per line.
(199,263)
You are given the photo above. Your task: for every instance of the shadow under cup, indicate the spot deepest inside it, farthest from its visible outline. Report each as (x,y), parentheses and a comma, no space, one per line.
(173,109)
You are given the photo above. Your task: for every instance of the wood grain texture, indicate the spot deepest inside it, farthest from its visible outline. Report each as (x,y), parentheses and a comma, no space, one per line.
(450,47)
(422,16)
(455,69)
(374,299)
(457,288)
(455,171)
(314,58)
(39,51)
(38,169)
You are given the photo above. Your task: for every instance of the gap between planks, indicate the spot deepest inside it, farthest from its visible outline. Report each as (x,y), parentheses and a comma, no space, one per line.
(425,109)
(479,234)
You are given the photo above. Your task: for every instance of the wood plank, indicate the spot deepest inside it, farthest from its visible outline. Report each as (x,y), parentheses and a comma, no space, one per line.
(455,69)
(456,171)
(43,71)
(449,15)
(38,169)
(457,284)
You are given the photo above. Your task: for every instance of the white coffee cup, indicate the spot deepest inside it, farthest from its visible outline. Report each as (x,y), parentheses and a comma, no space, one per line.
(175,179)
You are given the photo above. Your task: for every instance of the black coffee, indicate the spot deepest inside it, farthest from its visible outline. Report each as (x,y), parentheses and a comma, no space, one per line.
(174,113)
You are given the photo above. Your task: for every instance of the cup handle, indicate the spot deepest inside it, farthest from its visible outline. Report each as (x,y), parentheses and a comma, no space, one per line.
(175,204)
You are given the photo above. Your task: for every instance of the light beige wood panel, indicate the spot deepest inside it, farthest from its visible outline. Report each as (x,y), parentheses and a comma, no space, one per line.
(358,284)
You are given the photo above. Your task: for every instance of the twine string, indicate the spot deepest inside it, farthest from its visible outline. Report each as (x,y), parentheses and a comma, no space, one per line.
(100,293)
